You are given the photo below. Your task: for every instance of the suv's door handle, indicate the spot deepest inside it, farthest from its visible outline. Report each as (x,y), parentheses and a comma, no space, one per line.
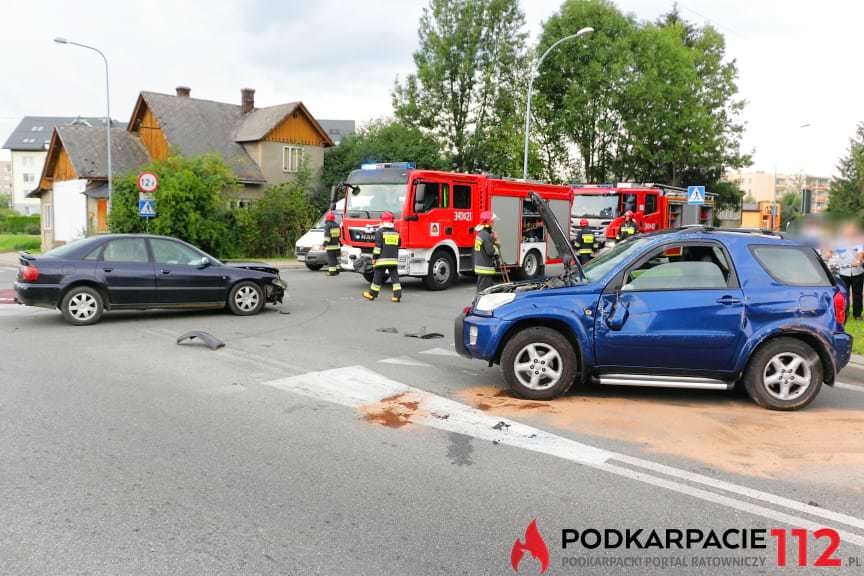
(728,300)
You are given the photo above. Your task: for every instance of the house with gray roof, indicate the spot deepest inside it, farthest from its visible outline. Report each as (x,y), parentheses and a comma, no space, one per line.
(28,144)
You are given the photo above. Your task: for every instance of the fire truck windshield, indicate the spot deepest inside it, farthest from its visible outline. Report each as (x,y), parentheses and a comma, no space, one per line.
(595,206)
(370,200)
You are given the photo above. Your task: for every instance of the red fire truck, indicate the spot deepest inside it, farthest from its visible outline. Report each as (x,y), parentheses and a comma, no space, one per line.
(436,214)
(654,207)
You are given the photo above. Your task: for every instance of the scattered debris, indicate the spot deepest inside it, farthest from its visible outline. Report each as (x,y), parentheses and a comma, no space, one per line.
(813,503)
(440,416)
(211,341)
(500,425)
(286,312)
(422,334)
(388,330)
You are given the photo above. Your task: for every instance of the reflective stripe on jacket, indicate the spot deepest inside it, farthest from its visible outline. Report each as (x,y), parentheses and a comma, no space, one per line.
(386,251)
(627,229)
(585,240)
(331,235)
(485,252)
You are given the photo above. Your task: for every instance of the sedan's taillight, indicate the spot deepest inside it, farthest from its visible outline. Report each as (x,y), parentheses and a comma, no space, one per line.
(840,307)
(30,273)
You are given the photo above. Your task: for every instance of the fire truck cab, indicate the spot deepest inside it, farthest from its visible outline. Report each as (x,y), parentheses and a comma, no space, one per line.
(654,207)
(436,215)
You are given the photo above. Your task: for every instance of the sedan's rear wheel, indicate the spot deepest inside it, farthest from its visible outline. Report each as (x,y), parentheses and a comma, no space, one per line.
(784,374)
(246,299)
(82,306)
(539,363)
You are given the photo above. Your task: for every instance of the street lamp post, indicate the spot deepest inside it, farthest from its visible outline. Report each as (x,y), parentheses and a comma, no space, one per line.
(60,40)
(581,32)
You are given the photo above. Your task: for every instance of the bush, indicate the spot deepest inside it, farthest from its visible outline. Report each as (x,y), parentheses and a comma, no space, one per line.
(191,203)
(18,224)
(273,224)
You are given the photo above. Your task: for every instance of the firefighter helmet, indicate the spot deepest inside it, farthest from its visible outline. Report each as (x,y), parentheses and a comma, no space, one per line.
(331,217)
(487,217)
(387,217)
(629,214)
(583,222)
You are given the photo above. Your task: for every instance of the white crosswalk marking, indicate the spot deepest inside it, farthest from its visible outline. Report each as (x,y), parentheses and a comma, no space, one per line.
(357,387)
(440,352)
(405,361)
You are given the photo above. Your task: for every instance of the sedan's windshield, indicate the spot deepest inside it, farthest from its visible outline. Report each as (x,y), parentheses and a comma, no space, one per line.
(603,264)
(595,206)
(370,200)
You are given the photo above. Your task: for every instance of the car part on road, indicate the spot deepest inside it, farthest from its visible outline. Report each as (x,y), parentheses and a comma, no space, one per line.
(784,374)
(423,335)
(211,341)
(388,330)
(82,306)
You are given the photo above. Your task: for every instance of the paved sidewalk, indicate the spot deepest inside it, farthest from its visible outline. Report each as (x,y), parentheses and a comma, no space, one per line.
(8,259)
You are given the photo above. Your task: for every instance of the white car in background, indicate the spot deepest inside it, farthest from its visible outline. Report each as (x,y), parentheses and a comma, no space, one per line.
(309,248)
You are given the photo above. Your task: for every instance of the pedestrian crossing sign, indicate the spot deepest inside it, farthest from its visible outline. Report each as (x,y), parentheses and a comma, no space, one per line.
(695,195)
(147,208)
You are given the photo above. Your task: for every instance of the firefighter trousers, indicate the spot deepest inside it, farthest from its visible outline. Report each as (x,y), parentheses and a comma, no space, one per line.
(378,281)
(485,281)
(332,262)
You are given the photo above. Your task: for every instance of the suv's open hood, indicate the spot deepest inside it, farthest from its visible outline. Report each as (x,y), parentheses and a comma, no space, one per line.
(556,233)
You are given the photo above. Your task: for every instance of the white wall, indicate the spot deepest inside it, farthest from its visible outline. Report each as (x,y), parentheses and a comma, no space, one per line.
(26,162)
(70,210)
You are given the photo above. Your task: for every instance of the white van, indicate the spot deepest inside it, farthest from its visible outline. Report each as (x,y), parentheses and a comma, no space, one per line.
(309,248)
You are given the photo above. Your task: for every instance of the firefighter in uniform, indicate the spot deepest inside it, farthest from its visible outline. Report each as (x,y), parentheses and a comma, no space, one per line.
(585,242)
(385,259)
(628,227)
(331,243)
(486,252)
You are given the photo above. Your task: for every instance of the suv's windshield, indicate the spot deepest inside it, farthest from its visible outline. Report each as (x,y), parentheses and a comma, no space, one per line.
(595,206)
(370,200)
(603,264)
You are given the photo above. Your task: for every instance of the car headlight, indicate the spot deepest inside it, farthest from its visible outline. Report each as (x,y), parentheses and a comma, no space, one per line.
(317,248)
(279,282)
(490,302)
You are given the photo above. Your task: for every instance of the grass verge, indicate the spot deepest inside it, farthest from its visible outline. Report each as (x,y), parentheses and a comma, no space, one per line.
(16,242)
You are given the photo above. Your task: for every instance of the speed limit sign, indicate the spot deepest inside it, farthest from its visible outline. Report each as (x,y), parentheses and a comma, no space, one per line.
(148,182)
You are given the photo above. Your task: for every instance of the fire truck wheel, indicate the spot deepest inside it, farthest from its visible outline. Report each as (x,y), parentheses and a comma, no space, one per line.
(532,266)
(442,270)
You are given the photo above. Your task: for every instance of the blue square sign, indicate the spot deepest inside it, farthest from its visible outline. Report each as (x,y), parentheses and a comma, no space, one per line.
(147,208)
(695,195)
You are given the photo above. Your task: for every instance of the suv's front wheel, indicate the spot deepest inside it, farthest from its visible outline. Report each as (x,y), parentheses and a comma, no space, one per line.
(539,363)
(784,374)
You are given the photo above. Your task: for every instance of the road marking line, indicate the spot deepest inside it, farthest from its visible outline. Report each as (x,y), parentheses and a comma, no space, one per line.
(440,352)
(356,386)
(845,386)
(405,361)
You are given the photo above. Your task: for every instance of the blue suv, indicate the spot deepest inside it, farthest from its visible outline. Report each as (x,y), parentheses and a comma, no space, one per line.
(688,308)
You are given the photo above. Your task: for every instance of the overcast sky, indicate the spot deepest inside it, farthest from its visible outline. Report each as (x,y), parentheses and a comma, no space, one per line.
(799,61)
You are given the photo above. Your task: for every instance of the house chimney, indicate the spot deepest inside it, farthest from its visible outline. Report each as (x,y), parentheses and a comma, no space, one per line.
(183,91)
(247,100)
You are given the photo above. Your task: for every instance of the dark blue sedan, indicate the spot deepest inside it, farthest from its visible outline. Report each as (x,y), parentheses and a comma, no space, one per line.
(119,271)
(689,308)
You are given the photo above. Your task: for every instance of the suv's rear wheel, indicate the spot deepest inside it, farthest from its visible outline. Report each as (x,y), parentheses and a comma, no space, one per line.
(539,363)
(82,305)
(784,374)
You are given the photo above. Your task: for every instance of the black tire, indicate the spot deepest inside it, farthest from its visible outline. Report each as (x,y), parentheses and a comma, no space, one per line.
(532,266)
(516,351)
(801,385)
(82,306)
(314,267)
(246,299)
(368,276)
(442,271)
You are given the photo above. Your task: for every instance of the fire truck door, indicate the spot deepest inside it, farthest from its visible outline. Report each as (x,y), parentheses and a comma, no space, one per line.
(434,211)
(508,209)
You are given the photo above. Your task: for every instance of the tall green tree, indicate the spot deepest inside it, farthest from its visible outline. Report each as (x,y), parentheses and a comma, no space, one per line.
(847,189)
(471,68)
(790,208)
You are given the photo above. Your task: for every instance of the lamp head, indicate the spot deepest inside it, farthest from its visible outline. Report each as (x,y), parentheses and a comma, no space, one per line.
(61,40)
(584,31)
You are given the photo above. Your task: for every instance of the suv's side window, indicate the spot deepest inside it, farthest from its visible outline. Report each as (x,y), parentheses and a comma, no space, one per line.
(681,267)
(792,265)
(126,250)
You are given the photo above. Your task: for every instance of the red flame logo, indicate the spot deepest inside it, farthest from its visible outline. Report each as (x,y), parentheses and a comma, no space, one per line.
(534,544)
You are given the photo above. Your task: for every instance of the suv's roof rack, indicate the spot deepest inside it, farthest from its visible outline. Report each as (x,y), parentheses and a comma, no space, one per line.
(704,228)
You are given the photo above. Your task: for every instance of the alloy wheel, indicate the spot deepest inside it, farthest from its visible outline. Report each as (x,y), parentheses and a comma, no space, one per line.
(787,376)
(83,306)
(538,366)
(246,298)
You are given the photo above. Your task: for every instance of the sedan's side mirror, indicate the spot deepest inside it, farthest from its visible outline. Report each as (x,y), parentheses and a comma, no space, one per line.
(204,262)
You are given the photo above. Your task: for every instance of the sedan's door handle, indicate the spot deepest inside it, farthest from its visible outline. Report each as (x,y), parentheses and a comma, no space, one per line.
(728,300)
(165,271)
(107,269)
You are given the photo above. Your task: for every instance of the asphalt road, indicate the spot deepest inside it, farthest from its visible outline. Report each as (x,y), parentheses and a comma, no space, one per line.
(313,443)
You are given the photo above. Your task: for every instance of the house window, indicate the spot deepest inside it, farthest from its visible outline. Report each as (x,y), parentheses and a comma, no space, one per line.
(28,178)
(47,222)
(292,158)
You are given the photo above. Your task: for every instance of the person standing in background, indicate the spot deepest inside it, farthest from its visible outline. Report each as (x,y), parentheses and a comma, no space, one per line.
(846,258)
